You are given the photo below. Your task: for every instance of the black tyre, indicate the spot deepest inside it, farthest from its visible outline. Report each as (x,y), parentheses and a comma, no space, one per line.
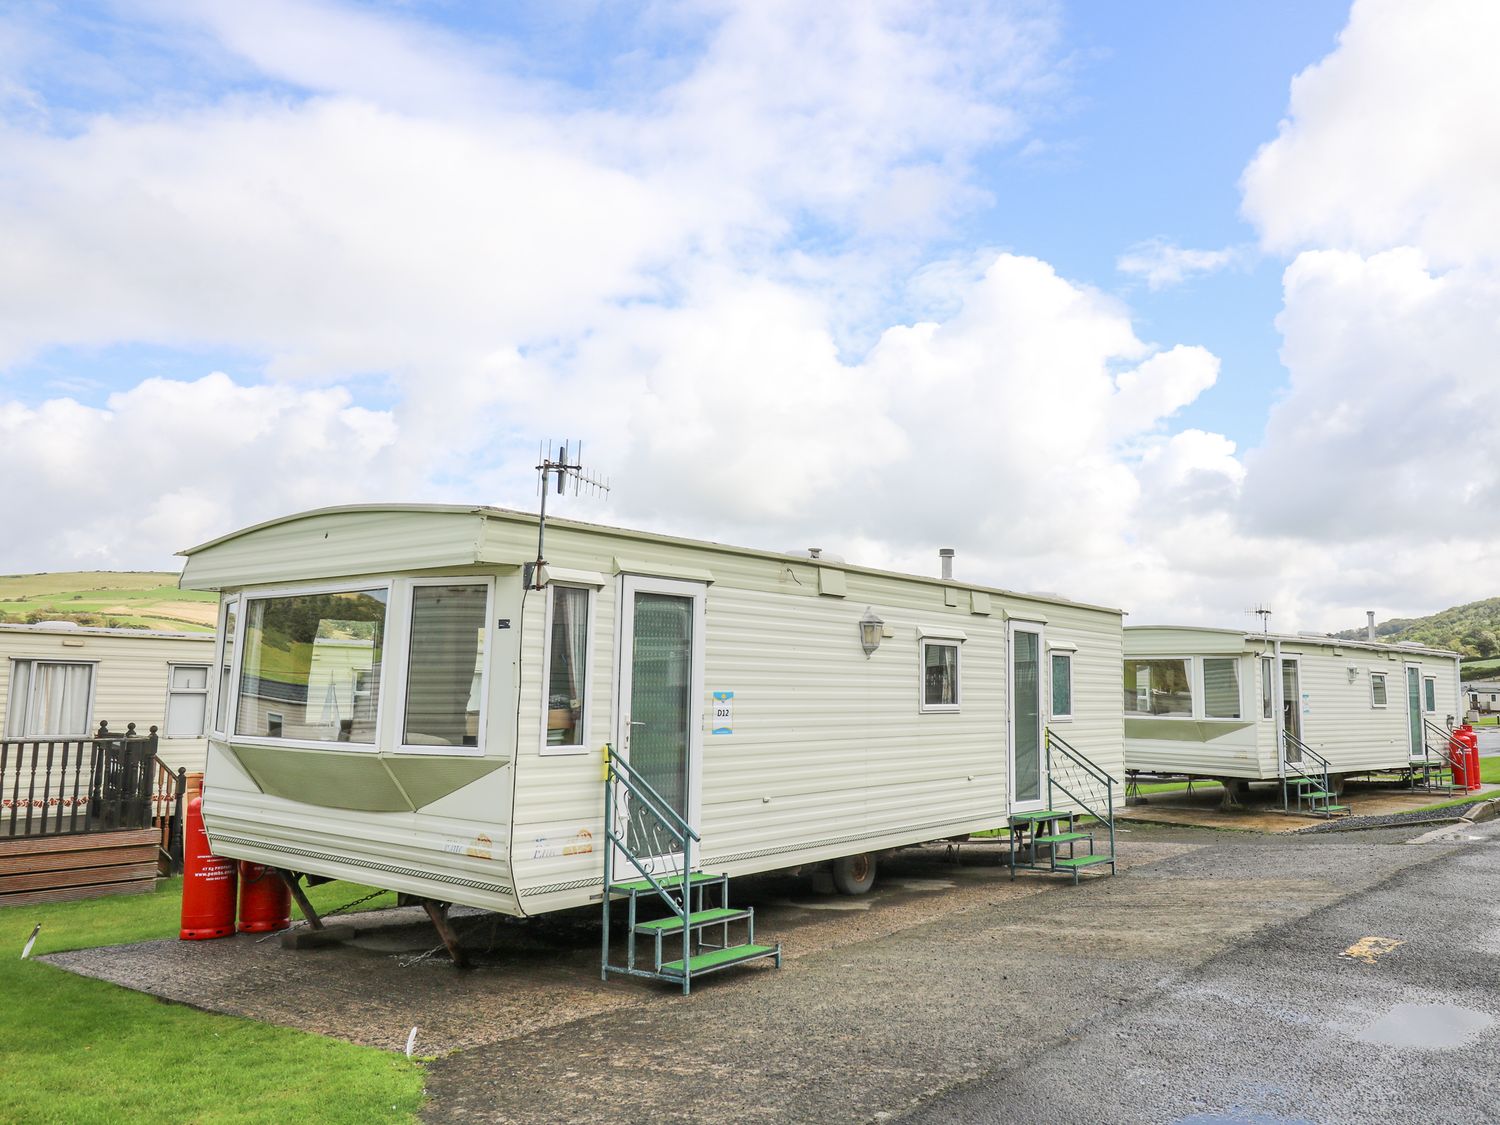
(854,874)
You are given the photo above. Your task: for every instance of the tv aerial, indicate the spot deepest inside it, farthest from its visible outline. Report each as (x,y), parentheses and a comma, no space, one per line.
(555,466)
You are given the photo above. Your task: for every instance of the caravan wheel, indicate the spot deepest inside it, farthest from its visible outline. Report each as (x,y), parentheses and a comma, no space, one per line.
(854,874)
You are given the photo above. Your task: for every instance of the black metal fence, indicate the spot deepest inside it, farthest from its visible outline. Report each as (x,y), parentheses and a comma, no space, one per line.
(110,782)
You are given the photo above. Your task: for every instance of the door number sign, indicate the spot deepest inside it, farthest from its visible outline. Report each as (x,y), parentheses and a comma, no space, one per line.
(723,712)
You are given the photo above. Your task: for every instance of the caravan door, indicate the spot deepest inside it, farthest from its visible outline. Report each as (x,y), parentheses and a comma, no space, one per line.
(1414,711)
(1027,754)
(659,694)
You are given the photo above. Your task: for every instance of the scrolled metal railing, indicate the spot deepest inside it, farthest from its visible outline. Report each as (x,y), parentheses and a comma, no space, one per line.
(1082,781)
(1448,754)
(1317,774)
(663,840)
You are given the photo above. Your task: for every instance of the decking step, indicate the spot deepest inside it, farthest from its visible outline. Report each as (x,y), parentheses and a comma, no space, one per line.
(667,881)
(720,959)
(673,925)
(1084,861)
(1064,837)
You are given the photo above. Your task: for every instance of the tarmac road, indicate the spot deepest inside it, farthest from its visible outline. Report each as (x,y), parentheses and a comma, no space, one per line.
(1207,986)
(1282,1028)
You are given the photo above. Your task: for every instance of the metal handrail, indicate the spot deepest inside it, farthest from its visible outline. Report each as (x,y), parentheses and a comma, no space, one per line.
(1074,753)
(632,780)
(1096,772)
(1325,783)
(1288,736)
(1449,760)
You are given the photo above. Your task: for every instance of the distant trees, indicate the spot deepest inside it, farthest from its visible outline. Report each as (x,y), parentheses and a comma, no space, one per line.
(1472,629)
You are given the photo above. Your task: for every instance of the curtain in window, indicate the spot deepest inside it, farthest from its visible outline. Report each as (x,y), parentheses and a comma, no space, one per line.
(942,675)
(1062,684)
(569,656)
(1221,687)
(57,699)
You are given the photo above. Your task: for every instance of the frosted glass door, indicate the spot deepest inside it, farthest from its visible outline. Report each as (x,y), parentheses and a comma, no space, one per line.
(1026,717)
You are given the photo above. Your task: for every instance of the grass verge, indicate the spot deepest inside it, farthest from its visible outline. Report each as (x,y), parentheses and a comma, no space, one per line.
(79,1050)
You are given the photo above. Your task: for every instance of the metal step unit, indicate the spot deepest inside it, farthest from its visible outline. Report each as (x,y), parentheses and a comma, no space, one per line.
(1071,778)
(694,930)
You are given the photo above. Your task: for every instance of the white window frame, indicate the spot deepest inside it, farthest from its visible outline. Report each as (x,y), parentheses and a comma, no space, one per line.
(1429,695)
(10,698)
(585,720)
(383,700)
(408,604)
(1385,688)
(1053,652)
(1266,701)
(956,644)
(1195,689)
(1200,697)
(206,691)
(232,658)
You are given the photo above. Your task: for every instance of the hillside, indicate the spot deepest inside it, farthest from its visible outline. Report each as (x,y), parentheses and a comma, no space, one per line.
(1472,629)
(129,599)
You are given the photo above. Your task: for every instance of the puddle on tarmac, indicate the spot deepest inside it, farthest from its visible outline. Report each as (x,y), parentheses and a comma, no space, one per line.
(1433,1027)
(917,884)
(830,904)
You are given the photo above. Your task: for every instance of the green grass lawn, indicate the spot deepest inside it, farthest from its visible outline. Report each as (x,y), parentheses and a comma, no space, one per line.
(76,1050)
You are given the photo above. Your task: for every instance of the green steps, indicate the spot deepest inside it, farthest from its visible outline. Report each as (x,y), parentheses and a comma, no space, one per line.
(673,924)
(1335,808)
(1082,861)
(1064,837)
(1044,814)
(722,959)
(1316,794)
(643,886)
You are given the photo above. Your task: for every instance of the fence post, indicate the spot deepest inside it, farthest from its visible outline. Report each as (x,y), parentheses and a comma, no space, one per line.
(175,845)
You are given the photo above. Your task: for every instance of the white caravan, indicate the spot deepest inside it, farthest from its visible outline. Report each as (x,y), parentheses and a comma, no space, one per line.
(402,700)
(1227,704)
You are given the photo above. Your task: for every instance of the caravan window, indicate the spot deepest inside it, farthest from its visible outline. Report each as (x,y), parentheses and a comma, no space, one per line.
(1221,687)
(50,699)
(1377,689)
(1267,671)
(445,665)
(939,676)
(1158,687)
(310,668)
(187,700)
(226,666)
(566,670)
(1429,694)
(1062,685)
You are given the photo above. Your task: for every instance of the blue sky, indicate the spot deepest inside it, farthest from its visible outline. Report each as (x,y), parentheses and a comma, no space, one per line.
(773,263)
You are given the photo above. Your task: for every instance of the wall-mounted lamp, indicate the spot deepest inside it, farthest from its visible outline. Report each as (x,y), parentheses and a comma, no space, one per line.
(1353,673)
(871,628)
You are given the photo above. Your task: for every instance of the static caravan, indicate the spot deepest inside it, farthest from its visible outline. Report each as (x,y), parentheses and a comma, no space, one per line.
(63,680)
(1222,703)
(406,699)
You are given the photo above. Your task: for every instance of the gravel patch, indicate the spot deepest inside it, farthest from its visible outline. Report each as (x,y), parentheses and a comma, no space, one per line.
(1417,816)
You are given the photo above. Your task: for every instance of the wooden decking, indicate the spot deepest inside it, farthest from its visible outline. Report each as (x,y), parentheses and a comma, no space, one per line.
(54,868)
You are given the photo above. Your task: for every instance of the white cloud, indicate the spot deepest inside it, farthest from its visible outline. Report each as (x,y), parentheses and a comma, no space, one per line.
(1162,264)
(1392,140)
(159,467)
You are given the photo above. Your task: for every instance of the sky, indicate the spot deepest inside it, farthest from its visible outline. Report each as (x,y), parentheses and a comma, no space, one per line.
(1179,307)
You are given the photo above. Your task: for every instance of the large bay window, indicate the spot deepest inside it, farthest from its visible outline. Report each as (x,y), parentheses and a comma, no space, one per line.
(1158,687)
(445,665)
(1221,687)
(310,667)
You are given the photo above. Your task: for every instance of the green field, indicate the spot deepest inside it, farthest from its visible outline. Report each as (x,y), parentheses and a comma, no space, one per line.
(74,1049)
(114,598)
(1480,669)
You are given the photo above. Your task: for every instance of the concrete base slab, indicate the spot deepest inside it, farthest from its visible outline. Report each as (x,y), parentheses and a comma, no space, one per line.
(1262,811)
(305,937)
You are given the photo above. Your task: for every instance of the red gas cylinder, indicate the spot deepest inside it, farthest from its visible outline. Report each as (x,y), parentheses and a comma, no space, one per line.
(1458,754)
(208,883)
(265,901)
(1470,739)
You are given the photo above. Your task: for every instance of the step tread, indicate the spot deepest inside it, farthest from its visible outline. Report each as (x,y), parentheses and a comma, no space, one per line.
(673,925)
(1085,861)
(1044,814)
(1064,837)
(1316,794)
(666,881)
(1335,808)
(720,958)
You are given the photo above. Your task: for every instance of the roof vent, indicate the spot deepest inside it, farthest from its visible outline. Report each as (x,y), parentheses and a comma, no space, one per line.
(945,560)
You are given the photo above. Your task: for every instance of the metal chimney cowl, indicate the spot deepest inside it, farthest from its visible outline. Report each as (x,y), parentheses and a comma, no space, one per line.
(1369,624)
